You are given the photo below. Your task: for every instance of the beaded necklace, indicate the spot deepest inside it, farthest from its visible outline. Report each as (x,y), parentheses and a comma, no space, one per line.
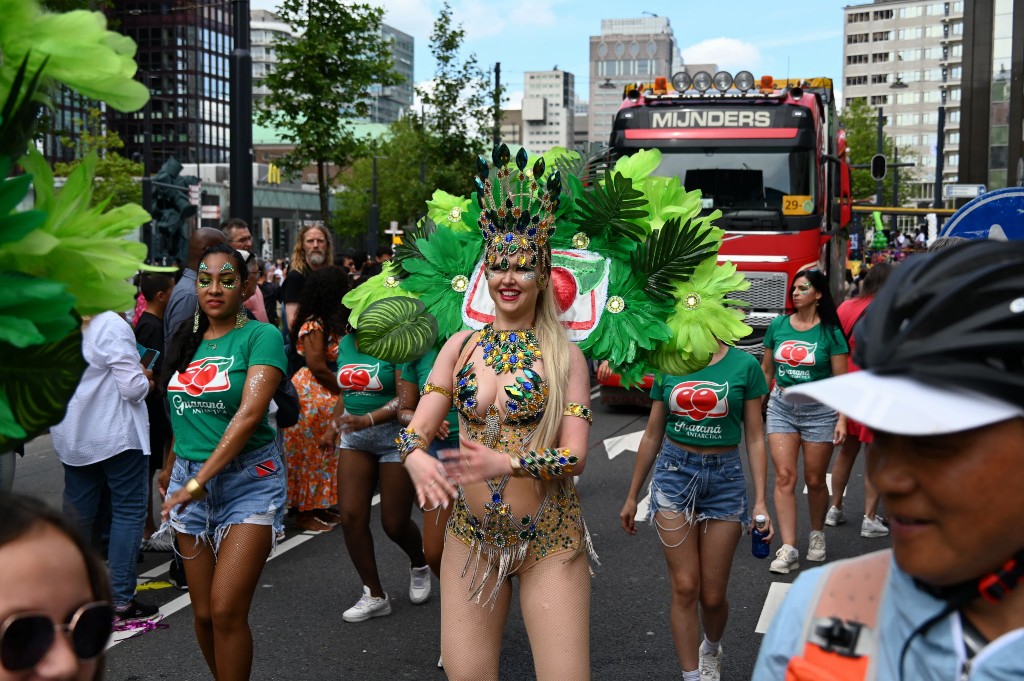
(509,351)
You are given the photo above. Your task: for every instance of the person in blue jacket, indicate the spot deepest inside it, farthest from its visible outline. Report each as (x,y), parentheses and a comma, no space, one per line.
(942,349)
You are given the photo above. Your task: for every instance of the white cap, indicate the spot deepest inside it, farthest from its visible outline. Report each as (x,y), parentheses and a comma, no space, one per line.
(904,406)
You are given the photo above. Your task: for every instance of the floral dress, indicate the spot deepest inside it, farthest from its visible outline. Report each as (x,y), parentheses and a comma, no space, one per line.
(312,472)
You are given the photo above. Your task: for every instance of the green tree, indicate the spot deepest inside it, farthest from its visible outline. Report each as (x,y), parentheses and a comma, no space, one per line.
(861,123)
(321,84)
(459,104)
(118,180)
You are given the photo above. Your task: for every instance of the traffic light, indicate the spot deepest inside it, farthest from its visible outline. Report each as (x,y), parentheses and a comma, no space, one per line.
(878,165)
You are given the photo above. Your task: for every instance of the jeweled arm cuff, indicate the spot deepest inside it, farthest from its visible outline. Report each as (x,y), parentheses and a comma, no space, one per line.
(409,440)
(577,409)
(429,387)
(547,465)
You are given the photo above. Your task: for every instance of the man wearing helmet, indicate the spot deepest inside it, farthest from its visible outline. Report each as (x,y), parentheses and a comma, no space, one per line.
(943,389)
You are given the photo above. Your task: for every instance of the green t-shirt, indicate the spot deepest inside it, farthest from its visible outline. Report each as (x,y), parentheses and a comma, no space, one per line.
(706,407)
(418,371)
(366,382)
(803,356)
(206,396)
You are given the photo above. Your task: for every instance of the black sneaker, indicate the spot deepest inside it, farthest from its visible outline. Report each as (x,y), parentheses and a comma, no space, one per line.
(135,612)
(176,575)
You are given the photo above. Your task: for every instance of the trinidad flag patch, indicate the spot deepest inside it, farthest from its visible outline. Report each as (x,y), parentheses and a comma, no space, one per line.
(266,468)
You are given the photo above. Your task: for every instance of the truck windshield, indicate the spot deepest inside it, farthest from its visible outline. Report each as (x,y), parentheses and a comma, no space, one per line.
(743,178)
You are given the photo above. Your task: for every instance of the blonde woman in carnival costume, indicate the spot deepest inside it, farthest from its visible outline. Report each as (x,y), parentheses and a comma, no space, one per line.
(526,280)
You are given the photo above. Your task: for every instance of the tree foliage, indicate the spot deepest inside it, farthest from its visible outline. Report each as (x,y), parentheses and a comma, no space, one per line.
(861,123)
(118,180)
(321,84)
(425,151)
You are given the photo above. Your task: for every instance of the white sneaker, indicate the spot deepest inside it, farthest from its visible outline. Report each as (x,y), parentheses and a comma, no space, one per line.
(710,664)
(419,584)
(873,527)
(834,517)
(816,548)
(786,560)
(366,607)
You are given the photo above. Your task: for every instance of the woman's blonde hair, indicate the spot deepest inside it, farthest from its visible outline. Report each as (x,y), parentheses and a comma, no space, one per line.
(554,348)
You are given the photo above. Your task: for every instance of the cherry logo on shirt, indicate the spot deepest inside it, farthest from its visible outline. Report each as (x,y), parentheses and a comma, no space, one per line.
(209,375)
(795,353)
(359,377)
(698,400)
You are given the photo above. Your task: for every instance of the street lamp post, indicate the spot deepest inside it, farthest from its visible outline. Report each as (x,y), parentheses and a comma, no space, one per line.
(240,91)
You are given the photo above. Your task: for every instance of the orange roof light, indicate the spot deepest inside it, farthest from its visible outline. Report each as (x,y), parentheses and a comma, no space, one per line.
(767,83)
(661,85)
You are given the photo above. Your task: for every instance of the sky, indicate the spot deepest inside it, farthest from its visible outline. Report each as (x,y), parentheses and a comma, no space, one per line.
(798,38)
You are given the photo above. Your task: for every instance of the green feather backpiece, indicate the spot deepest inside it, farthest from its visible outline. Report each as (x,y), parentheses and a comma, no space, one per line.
(378,287)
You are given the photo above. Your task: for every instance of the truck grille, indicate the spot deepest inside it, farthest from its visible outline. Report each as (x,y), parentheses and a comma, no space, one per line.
(767,293)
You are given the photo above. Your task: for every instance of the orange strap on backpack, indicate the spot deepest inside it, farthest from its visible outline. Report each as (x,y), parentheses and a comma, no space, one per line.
(841,628)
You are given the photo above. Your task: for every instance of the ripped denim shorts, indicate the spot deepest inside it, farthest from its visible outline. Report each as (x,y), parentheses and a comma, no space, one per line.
(695,487)
(251,490)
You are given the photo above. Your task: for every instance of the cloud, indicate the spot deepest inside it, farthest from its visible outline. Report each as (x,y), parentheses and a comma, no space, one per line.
(729,54)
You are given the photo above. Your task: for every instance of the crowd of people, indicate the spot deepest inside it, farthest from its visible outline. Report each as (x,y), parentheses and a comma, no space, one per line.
(487,435)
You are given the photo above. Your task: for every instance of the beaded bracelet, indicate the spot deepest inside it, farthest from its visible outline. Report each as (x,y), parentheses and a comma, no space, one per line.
(577,409)
(547,465)
(409,440)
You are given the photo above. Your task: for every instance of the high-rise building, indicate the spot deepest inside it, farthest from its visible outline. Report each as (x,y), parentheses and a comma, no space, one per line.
(992,152)
(389,103)
(512,126)
(627,51)
(906,56)
(548,110)
(183,56)
(265,30)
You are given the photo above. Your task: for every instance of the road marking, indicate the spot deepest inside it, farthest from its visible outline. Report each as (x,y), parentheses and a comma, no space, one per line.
(183,601)
(595,392)
(776,593)
(622,443)
(375,500)
(643,507)
(828,483)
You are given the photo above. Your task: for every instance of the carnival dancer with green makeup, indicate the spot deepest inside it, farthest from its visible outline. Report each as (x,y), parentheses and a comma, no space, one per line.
(225,487)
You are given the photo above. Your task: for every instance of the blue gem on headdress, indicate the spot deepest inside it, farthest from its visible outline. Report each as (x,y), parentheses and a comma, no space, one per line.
(481,168)
(531,232)
(521,159)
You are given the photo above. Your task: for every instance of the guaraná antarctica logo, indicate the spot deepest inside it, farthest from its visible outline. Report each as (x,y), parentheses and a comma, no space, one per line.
(698,400)
(359,378)
(209,375)
(795,353)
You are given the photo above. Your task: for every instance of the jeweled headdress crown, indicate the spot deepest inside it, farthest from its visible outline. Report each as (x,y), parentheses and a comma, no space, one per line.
(517,220)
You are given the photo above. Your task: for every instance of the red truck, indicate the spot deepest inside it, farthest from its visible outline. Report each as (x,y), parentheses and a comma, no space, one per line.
(767,153)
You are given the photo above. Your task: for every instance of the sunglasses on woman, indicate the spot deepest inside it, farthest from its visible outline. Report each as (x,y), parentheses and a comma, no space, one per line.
(25,638)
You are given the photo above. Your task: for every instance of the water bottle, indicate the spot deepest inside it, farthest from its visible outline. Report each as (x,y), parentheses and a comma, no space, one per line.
(758,546)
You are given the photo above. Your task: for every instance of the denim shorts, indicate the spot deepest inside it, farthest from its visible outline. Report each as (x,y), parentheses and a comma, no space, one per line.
(814,422)
(379,441)
(250,490)
(699,486)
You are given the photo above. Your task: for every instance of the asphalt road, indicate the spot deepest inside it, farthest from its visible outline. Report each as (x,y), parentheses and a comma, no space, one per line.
(296,613)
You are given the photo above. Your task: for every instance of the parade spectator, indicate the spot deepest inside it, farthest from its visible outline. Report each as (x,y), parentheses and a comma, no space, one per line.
(902,242)
(384,254)
(225,490)
(183,300)
(55,614)
(699,496)
(313,250)
(940,350)
(516,509)
(240,239)
(149,333)
(850,314)
(921,238)
(365,422)
(805,346)
(271,292)
(319,324)
(103,442)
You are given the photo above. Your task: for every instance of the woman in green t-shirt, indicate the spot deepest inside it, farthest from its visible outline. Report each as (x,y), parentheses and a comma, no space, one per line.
(225,485)
(808,345)
(698,496)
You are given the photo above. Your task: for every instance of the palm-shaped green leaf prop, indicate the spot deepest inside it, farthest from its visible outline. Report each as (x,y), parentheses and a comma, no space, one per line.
(585,165)
(36,384)
(396,330)
(613,206)
(410,248)
(672,253)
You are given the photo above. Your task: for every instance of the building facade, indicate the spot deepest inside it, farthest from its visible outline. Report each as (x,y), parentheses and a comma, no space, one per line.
(548,110)
(993,107)
(512,126)
(265,30)
(906,57)
(183,56)
(627,51)
(389,103)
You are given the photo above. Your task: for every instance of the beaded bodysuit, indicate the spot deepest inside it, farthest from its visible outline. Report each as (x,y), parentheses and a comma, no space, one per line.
(504,537)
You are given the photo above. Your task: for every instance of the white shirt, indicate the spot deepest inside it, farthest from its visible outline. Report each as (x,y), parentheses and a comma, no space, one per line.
(107,414)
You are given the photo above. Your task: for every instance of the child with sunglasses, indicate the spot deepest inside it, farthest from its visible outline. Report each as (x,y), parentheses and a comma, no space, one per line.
(55,612)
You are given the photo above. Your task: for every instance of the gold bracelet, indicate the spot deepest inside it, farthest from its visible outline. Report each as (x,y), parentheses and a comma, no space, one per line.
(429,387)
(195,490)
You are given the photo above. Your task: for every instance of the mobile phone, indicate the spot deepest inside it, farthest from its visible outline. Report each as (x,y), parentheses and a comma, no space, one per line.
(149,357)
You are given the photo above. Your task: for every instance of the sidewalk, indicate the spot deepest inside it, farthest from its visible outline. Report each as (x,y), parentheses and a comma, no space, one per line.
(39,473)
